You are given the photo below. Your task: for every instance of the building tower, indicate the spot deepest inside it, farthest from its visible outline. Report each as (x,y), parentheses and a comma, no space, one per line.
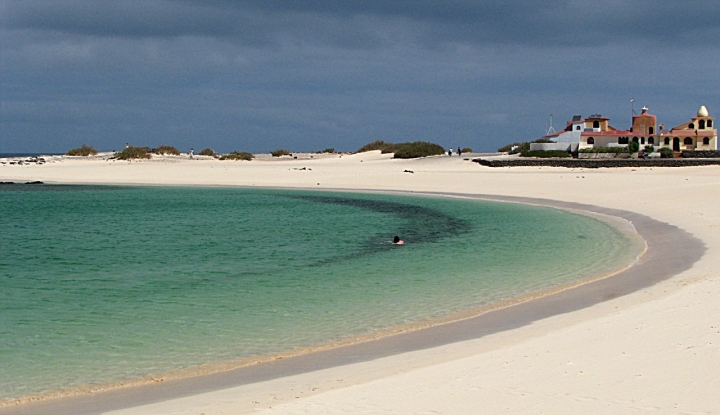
(644,123)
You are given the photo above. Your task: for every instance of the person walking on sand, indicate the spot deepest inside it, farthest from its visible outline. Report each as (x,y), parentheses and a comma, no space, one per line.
(450,152)
(191,153)
(459,152)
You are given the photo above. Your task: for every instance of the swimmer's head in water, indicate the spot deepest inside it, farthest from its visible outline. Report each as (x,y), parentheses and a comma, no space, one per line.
(396,239)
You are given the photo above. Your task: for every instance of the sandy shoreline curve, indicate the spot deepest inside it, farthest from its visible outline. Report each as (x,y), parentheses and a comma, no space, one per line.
(674,255)
(210,369)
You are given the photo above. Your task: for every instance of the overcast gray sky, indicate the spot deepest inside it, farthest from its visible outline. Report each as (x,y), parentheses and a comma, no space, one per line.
(258,75)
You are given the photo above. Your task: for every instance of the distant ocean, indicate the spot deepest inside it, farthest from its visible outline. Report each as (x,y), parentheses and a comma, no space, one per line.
(102,283)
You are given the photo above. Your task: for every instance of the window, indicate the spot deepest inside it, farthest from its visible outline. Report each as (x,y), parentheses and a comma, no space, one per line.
(577,128)
(642,140)
(651,140)
(706,141)
(691,125)
(688,141)
(622,140)
(709,124)
(667,141)
(652,130)
(590,140)
(596,124)
(635,139)
(701,124)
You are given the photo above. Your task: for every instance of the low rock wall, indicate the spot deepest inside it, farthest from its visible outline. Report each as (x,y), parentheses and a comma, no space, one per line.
(598,163)
(701,154)
(603,155)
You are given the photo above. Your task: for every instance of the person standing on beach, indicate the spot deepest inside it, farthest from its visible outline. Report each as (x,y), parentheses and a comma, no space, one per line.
(459,152)
(450,152)
(191,153)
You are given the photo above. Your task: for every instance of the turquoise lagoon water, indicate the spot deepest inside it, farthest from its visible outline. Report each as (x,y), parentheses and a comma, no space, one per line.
(99,284)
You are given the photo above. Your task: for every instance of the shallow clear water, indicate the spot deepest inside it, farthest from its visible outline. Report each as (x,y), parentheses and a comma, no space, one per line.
(106,283)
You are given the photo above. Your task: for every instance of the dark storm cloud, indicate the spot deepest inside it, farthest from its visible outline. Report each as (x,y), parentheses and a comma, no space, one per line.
(257,75)
(526,22)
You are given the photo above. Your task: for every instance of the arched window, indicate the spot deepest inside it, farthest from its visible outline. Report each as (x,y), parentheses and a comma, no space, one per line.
(709,124)
(688,141)
(706,141)
(577,128)
(635,139)
(701,124)
(596,124)
(652,130)
(590,140)
(667,141)
(651,140)
(691,125)
(642,140)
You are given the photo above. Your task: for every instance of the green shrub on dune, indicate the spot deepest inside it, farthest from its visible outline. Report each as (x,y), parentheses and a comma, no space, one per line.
(328,150)
(377,145)
(405,150)
(84,150)
(207,152)
(133,153)
(280,152)
(518,148)
(417,149)
(237,155)
(166,150)
(466,150)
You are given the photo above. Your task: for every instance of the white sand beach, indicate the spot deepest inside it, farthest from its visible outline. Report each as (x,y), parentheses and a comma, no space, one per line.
(656,350)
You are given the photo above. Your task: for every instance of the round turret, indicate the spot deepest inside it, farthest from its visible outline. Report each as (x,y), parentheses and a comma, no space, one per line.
(702,112)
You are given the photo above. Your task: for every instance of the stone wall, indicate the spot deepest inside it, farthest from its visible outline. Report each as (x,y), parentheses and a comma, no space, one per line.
(603,155)
(597,163)
(701,154)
